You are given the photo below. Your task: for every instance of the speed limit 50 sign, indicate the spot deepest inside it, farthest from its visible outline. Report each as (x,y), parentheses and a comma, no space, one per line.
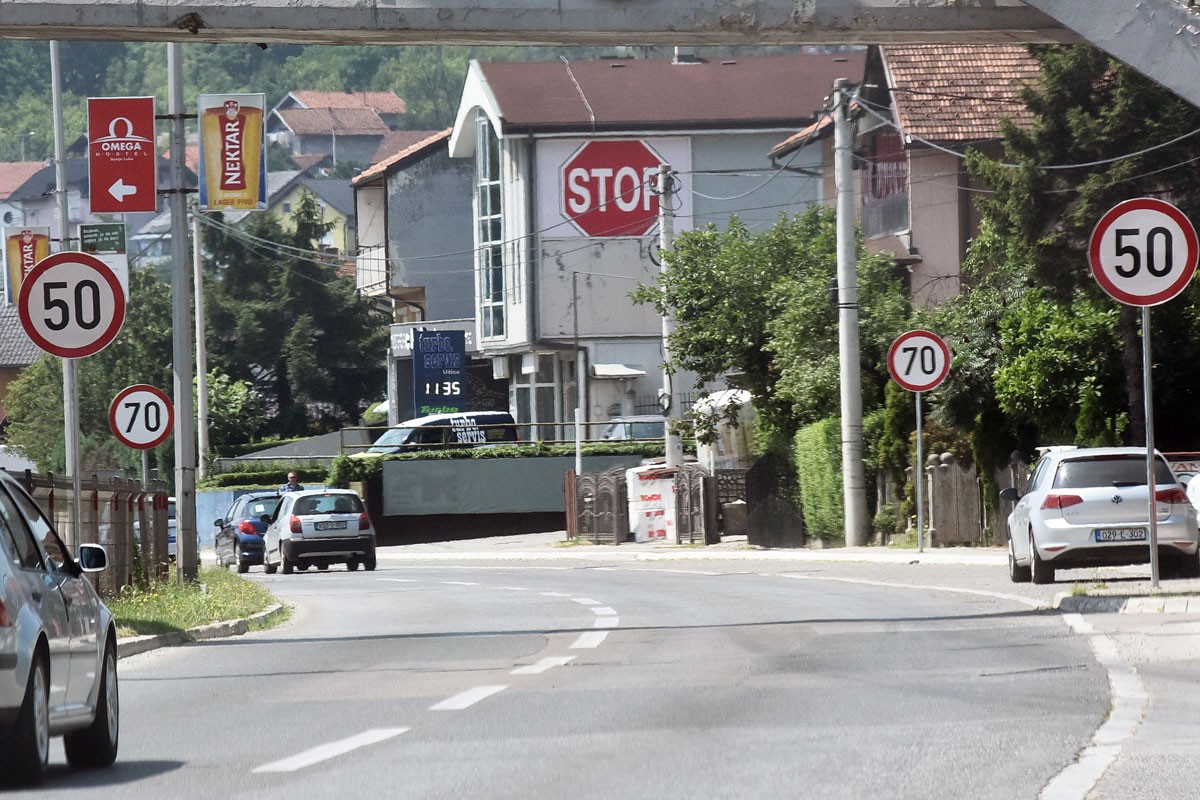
(71,305)
(141,416)
(919,360)
(1143,252)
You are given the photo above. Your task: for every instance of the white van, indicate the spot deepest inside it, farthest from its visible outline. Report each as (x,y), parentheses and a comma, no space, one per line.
(441,431)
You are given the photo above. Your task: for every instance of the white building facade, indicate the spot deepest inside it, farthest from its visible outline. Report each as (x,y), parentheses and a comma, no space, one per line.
(567,212)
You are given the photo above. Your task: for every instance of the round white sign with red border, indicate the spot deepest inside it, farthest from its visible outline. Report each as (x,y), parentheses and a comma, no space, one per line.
(919,360)
(71,304)
(1143,252)
(141,416)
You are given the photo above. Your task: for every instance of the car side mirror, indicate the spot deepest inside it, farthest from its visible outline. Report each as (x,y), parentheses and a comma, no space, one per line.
(220,523)
(266,518)
(1010,494)
(92,558)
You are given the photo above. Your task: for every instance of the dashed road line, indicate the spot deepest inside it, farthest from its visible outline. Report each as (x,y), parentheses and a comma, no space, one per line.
(459,583)
(542,665)
(589,640)
(606,622)
(586,601)
(330,750)
(603,611)
(466,699)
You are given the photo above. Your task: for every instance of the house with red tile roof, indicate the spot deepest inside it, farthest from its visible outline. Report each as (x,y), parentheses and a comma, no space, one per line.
(347,126)
(567,206)
(12,176)
(921,107)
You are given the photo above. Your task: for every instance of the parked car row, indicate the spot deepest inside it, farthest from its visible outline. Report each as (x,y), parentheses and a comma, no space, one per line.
(296,530)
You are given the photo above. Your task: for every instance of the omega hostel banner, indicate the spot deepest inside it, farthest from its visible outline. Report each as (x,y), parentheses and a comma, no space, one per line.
(233,156)
(23,247)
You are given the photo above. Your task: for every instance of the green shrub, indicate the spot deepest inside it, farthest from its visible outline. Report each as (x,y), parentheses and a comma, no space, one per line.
(818,452)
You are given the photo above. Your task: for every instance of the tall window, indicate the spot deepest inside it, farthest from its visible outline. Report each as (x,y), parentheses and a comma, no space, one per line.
(490,255)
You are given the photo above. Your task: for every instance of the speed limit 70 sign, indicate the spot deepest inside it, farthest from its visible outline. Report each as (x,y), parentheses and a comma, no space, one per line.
(141,416)
(1143,252)
(919,360)
(72,305)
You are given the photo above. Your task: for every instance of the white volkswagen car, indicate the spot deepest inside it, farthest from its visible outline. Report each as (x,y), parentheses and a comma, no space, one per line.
(58,647)
(318,527)
(1085,507)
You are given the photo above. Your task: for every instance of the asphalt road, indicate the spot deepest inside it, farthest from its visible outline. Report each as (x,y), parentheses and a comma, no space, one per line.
(604,675)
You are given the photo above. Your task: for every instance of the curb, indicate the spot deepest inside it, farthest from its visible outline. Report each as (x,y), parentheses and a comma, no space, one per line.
(132,645)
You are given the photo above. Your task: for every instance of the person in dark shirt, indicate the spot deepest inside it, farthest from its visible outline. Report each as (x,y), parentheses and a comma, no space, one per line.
(292,485)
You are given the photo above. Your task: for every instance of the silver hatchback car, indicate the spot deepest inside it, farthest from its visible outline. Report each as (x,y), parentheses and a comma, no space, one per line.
(1087,507)
(58,647)
(318,527)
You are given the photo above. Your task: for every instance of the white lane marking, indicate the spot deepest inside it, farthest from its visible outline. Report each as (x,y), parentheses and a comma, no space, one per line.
(331,750)
(952,589)
(512,588)
(589,640)
(554,594)
(398,580)
(466,699)
(606,622)
(1129,702)
(586,601)
(603,611)
(543,665)
(459,583)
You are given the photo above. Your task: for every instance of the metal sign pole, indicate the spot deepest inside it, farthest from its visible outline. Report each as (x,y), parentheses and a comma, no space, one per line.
(1148,401)
(919,481)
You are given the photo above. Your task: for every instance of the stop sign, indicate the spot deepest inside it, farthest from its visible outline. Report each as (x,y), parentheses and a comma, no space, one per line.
(608,188)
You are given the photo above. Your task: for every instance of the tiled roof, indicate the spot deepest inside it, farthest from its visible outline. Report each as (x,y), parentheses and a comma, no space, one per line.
(411,144)
(647,94)
(379,102)
(343,121)
(958,92)
(15,173)
(399,141)
(307,161)
(16,348)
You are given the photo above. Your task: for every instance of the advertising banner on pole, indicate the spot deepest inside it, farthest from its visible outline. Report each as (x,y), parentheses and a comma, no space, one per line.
(23,247)
(233,155)
(106,241)
(440,372)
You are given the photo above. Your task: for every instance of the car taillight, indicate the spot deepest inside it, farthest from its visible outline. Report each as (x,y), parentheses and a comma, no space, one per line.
(6,621)
(1171,496)
(1061,501)
(245,526)
(294,526)
(364,522)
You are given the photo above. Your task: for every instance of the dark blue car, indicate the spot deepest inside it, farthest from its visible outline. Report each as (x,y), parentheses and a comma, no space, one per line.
(240,538)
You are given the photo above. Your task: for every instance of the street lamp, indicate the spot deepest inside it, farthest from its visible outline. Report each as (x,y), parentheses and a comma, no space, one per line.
(23,138)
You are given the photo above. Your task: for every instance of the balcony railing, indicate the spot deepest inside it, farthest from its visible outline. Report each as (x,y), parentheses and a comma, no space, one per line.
(889,215)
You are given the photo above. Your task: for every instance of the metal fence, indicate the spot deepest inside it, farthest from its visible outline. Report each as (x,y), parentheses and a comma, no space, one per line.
(128,518)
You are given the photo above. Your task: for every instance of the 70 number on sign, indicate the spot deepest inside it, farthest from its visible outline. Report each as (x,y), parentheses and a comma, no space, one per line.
(919,360)
(141,416)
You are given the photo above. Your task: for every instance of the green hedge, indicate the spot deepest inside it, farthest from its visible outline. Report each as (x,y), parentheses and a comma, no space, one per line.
(352,469)
(818,456)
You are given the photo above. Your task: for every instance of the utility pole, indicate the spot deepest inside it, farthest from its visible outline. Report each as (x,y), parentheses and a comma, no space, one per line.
(181,349)
(201,352)
(854,488)
(70,366)
(666,239)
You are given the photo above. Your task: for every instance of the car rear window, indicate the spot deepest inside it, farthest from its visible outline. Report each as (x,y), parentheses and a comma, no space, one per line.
(1109,471)
(329,504)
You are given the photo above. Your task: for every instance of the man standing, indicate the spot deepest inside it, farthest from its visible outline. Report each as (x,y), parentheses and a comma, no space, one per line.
(291,485)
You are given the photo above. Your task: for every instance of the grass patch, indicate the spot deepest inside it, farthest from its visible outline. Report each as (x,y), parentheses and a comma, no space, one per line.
(167,606)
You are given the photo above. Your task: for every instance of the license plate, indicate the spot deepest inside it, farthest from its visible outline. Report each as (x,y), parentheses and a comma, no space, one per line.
(1120,534)
(335,525)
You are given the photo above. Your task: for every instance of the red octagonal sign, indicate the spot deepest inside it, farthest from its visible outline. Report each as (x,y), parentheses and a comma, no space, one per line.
(608,188)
